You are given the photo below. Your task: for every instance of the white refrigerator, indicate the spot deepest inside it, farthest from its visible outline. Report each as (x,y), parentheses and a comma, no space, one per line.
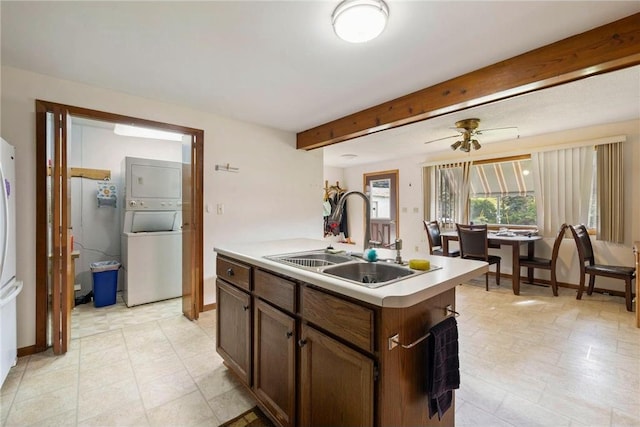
(9,286)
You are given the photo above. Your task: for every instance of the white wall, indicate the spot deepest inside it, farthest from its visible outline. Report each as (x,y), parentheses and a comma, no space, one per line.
(275,195)
(410,202)
(411,207)
(333,175)
(97,230)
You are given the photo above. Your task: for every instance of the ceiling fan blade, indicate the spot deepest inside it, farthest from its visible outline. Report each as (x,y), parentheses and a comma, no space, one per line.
(481,131)
(441,139)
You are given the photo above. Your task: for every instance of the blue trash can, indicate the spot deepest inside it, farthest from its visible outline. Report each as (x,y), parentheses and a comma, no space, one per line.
(105,282)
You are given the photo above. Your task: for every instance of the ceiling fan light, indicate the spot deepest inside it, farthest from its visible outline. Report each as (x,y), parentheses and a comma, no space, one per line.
(358,21)
(466,147)
(455,145)
(476,144)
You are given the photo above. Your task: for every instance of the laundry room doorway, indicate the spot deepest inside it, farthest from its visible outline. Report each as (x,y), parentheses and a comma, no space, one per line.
(83,219)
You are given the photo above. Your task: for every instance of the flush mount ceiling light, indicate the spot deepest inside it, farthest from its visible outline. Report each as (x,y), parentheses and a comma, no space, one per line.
(359,21)
(142,132)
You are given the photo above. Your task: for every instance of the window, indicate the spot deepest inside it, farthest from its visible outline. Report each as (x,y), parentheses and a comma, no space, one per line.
(382,189)
(544,189)
(499,192)
(380,195)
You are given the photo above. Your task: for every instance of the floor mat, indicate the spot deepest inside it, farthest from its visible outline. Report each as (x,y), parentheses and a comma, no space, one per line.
(254,417)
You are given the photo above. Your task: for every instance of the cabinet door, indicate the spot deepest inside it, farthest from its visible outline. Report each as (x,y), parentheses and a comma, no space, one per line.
(233,329)
(274,361)
(336,382)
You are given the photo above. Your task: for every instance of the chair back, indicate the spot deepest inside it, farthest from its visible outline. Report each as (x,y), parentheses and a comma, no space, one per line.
(433,234)
(473,241)
(583,242)
(556,245)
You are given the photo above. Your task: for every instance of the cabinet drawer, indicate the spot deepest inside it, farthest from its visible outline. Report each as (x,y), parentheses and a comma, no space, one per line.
(233,272)
(349,321)
(276,290)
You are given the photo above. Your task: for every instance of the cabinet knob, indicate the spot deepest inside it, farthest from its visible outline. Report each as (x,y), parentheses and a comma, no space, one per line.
(230,272)
(302,342)
(245,307)
(289,334)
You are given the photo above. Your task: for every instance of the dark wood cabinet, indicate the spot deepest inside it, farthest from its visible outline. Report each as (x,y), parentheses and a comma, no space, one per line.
(274,361)
(312,357)
(233,329)
(347,320)
(336,382)
(234,272)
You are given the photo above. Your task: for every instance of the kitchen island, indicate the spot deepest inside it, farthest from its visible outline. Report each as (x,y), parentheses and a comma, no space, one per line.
(319,350)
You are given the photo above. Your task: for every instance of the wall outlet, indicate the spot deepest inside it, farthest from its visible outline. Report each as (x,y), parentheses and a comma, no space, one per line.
(417,249)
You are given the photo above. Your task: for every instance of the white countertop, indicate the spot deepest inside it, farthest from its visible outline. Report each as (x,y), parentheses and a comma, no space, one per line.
(403,293)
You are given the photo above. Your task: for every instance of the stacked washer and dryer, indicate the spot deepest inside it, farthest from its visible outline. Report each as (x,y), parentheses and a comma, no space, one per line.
(151,234)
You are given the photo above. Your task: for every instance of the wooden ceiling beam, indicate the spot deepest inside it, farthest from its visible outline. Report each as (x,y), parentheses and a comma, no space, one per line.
(607,48)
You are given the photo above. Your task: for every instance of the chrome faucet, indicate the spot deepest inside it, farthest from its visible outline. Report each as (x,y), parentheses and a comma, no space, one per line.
(397,246)
(336,216)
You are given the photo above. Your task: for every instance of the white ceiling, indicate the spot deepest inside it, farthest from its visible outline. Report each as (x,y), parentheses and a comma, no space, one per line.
(607,98)
(279,64)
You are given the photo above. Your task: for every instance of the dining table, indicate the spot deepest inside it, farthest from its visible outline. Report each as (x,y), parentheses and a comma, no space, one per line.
(515,239)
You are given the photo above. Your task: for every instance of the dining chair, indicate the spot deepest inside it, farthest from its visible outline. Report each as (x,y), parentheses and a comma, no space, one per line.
(588,266)
(435,240)
(546,263)
(475,245)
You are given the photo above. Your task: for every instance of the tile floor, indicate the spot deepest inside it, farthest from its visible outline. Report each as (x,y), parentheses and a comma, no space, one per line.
(535,359)
(87,320)
(528,360)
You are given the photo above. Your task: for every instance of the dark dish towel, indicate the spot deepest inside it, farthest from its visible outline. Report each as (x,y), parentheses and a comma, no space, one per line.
(444,366)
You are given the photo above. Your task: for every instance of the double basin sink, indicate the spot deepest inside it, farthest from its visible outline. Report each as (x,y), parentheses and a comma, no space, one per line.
(348,267)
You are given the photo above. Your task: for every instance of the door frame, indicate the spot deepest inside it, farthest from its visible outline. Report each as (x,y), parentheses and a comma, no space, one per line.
(195,222)
(394,176)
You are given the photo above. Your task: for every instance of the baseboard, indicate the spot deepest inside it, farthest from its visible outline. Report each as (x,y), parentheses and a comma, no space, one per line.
(523,279)
(209,307)
(596,290)
(28,351)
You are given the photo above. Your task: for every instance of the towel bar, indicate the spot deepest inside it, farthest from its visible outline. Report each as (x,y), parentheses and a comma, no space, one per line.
(394,341)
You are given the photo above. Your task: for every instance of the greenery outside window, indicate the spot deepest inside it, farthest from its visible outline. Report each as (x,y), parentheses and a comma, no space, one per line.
(496,192)
(502,192)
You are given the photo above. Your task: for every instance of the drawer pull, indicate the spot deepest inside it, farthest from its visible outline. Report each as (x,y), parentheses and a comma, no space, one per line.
(230,272)
(302,342)
(289,334)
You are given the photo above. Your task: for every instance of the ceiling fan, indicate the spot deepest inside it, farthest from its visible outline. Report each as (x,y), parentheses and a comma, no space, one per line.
(468,129)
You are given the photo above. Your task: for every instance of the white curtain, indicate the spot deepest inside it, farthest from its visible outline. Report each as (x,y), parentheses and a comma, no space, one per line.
(454,208)
(562,183)
(428,182)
